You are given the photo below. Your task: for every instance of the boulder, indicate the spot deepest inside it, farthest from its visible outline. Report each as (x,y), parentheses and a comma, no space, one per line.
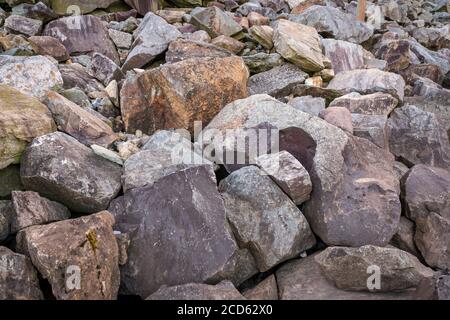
(142,7)
(38,11)
(313,106)
(435,288)
(64,7)
(49,46)
(104,69)
(182,49)
(76,76)
(265,290)
(215,22)
(263,35)
(23,25)
(344,56)
(371,104)
(83,250)
(222,291)
(404,238)
(228,43)
(274,230)
(372,128)
(183,92)
(397,54)
(62,169)
(22,118)
(339,117)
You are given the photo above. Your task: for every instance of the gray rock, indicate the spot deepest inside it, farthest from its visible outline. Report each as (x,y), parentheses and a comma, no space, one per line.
(222,291)
(6,216)
(76,76)
(261,62)
(23,25)
(435,288)
(62,169)
(404,238)
(372,128)
(215,22)
(313,106)
(344,56)
(182,49)
(122,40)
(104,69)
(371,104)
(265,290)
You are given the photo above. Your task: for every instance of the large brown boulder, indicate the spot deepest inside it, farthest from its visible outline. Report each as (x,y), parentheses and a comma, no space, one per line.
(176,95)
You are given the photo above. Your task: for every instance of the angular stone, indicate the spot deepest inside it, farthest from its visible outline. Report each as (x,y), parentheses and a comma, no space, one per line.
(18,278)
(23,25)
(334,22)
(22,118)
(344,56)
(404,238)
(143,7)
(261,62)
(62,169)
(151,39)
(79,123)
(347,268)
(86,244)
(228,43)
(370,104)
(181,93)
(418,137)
(222,291)
(64,7)
(30,209)
(435,288)
(339,117)
(157,218)
(122,40)
(263,35)
(215,22)
(282,231)
(298,44)
(397,54)
(49,46)
(372,128)
(32,75)
(104,69)
(38,11)
(265,290)
(182,49)
(6,216)
(309,104)
(288,173)
(277,82)
(367,81)
(82,34)
(76,76)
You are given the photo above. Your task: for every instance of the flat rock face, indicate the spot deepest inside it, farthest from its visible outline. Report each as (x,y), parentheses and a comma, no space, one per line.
(404,238)
(274,231)
(344,56)
(30,209)
(50,46)
(343,170)
(332,21)
(299,44)
(222,291)
(371,104)
(182,49)
(367,81)
(85,246)
(372,128)
(82,34)
(399,269)
(18,277)
(151,39)
(308,104)
(143,6)
(418,137)
(435,288)
(176,95)
(62,7)
(265,290)
(78,122)
(34,75)
(62,169)
(22,118)
(23,25)
(215,22)
(177,229)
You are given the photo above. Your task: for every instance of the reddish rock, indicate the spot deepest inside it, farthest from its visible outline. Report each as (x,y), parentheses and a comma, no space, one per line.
(49,46)
(339,117)
(222,291)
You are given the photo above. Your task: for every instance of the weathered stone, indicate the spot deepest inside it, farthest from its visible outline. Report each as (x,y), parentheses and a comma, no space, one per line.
(215,22)
(38,11)
(344,56)
(76,76)
(49,46)
(261,62)
(277,82)
(104,69)
(435,288)
(339,117)
(157,217)
(228,43)
(222,291)
(122,40)
(18,278)
(22,118)
(347,268)
(371,104)
(23,25)
(86,243)
(10,181)
(367,81)
(143,7)
(151,39)
(6,216)
(298,44)
(289,175)
(64,7)
(372,128)
(343,170)
(78,122)
(32,75)
(334,22)
(82,34)
(397,54)
(183,92)
(263,35)
(62,169)
(404,238)
(282,231)
(107,154)
(418,137)
(309,104)
(182,49)
(265,290)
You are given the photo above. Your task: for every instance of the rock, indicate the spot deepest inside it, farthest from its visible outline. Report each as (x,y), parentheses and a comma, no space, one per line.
(10,181)
(22,118)
(143,7)
(298,44)
(277,82)
(397,54)
(288,173)
(82,34)
(215,22)
(404,238)
(107,154)
(183,92)
(343,170)
(399,270)
(367,81)
(263,35)
(282,231)
(85,246)
(79,123)
(261,62)
(372,128)
(77,76)
(30,209)
(339,117)
(22,25)
(344,56)
(435,288)
(370,104)
(182,49)
(32,75)
(302,279)
(309,104)
(418,137)
(38,11)
(104,69)
(151,39)
(265,290)
(222,291)
(64,170)
(171,16)
(333,22)
(18,278)
(122,40)
(157,217)
(6,216)
(49,46)
(64,7)
(228,43)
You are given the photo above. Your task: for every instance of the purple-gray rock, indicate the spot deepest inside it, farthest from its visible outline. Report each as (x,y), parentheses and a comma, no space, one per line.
(344,56)
(23,25)
(372,104)
(104,69)
(372,128)
(6,216)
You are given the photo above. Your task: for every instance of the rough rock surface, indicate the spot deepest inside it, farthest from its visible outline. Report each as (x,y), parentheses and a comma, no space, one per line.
(222,291)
